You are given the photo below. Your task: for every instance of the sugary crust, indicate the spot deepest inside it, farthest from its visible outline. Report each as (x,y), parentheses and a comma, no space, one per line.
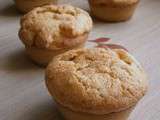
(49,26)
(96,80)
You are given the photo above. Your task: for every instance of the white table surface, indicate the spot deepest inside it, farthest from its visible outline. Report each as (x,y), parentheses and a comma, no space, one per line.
(23,95)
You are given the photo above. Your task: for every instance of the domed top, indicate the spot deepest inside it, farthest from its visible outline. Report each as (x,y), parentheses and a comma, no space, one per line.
(48,26)
(96,80)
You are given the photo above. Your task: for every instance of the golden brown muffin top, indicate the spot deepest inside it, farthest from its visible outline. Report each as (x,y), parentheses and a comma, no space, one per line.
(48,26)
(96,80)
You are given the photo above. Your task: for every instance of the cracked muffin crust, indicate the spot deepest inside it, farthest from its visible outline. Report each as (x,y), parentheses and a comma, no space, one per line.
(96,81)
(113,10)
(53,29)
(50,26)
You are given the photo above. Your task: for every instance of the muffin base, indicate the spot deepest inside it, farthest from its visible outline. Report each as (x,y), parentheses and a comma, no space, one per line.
(27,5)
(71,115)
(43,56)
(113,13)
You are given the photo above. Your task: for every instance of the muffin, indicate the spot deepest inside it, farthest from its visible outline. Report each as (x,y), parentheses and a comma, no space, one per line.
(27,5)
(53,29)
(113,10)
(96,83)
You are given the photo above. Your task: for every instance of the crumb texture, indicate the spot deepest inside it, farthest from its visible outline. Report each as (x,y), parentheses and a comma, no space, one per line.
(48,26)
(96,80)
